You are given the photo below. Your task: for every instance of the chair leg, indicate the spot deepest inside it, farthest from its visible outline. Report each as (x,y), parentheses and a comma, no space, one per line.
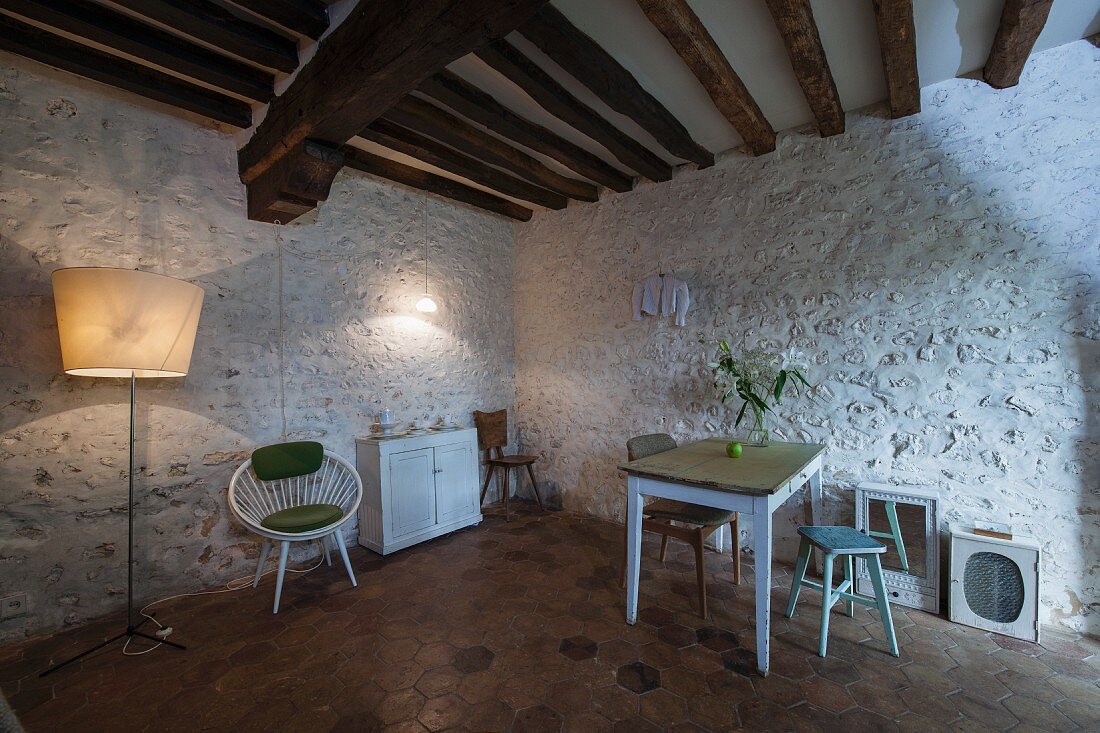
(895,529)
(338,540)
(324,546)
(804,550)
(507,491)
(735,539)
(263,559)
(282,571)
(535,486)
(489,471)
(851,578)
(826,603)
(700,572)
(875,568)
(664,546)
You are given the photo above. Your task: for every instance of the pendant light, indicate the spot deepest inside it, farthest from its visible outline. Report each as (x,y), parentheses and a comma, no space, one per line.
(426,304)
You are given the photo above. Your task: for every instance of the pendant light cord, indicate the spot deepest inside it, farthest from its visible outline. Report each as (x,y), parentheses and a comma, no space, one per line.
(282,338)
(425,245)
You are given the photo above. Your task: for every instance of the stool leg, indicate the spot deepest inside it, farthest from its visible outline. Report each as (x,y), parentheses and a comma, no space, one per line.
(799,574)
(826,603)
(875,568)
(735,535)
(851,578)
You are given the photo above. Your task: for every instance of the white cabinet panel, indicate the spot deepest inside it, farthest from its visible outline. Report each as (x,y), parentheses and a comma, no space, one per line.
(412,486)
(452,466)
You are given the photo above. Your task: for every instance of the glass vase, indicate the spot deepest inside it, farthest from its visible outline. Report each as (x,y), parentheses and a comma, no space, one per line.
(759,434)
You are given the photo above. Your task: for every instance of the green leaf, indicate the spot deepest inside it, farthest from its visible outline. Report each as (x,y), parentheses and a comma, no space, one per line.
(779,382)
(740,414)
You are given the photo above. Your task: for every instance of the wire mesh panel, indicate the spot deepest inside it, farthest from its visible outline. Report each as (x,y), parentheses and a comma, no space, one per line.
(994,587)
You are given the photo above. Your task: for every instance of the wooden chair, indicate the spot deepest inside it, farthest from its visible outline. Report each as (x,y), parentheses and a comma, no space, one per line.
(704,521)
(492,436)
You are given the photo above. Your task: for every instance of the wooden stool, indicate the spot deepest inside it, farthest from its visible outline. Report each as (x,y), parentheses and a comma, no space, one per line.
(845,542)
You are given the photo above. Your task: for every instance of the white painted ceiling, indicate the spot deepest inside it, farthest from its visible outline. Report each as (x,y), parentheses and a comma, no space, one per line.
(953,39)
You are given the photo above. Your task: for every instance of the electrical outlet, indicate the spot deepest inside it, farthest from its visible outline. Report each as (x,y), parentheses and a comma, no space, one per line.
(12,606)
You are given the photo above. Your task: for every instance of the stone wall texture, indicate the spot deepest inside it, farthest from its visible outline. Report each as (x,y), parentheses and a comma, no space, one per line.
(940,272)
(94,177)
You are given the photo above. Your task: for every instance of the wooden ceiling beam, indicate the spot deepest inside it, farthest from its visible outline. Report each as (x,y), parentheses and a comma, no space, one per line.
(897,41)
(507,60)
(584,59)
(795,21)
(376,56)
(391,170)
(482,108)
(678,23)
(76,58)
(215,25)
(427,150)
(308,18)
(1021,23)
(123,33)
(427,119)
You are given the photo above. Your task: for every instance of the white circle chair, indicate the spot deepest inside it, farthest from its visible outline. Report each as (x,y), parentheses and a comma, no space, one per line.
(295,492)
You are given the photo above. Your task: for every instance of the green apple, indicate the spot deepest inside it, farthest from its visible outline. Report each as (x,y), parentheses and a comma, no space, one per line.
(733,449)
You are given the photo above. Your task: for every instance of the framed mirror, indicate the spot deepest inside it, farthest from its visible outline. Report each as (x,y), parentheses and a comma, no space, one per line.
(906,520)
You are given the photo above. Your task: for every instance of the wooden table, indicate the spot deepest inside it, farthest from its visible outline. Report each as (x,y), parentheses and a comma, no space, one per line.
(757,483)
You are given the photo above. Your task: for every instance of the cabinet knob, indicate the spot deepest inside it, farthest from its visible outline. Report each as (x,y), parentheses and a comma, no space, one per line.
(438,470)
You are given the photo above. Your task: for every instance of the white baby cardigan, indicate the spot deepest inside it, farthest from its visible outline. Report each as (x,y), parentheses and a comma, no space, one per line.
(664,295)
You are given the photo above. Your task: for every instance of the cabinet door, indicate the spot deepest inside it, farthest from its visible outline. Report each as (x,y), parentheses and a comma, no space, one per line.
(454,496)
(412,491)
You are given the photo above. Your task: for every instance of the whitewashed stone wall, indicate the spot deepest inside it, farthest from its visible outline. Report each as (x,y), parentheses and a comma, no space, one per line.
(939,270)
(94,177)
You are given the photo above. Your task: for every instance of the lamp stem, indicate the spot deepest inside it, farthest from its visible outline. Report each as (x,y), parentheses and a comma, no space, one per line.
(130,513)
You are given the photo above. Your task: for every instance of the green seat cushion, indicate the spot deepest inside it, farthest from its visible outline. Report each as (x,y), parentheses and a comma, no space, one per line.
(303,518)
(681,511)
(286,460)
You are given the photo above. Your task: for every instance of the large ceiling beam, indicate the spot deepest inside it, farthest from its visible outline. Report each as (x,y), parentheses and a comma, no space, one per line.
(378,54)
(482,108)
(305,17)
(121,32)
(76,58)
(427,119)
(434,153)
(795,21)
(507,60)
(583,58)
(897,41)
(1021,23)
(215,25)
(391,170)
(678,23)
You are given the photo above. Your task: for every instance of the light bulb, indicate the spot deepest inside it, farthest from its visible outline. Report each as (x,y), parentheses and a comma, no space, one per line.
(426,304)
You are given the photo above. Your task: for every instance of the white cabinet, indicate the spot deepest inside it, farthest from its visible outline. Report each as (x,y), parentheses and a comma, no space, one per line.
(416,488)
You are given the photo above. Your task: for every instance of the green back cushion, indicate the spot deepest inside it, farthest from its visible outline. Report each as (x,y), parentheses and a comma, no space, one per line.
(303,518)
(285,460)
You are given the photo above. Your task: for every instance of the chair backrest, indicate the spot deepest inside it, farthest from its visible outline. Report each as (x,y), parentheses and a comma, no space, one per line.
(641,446)
(252,499)
(492,429)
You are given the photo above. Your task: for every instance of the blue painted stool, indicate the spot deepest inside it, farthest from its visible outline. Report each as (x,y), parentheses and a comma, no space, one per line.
(845,542)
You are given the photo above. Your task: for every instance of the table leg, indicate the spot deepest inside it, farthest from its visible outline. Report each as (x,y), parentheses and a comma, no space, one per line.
(633,547)
(762,565)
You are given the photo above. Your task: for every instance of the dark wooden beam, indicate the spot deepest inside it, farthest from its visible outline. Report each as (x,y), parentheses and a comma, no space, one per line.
(305,17)
(897,41)
(298,183)
(1021,23)
(558,101)
(35,43)
(215,25)
(377,55)
(429,151)
(120,32)
(795,21)
(583,58)
(427,119)
(391,170)
(482,108)
(678,23)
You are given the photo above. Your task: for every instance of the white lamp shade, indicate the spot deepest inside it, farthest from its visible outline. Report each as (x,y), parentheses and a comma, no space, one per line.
(114,322)
(426,304)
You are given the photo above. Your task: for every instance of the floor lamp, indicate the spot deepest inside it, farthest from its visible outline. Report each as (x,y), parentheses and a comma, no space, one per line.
(130,324)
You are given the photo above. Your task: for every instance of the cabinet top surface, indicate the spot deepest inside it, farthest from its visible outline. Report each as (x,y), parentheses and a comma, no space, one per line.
(705,463)
(418,437)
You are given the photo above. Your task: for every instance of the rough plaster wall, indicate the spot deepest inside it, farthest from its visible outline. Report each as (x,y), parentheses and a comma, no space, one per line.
(90,176)
(939,270)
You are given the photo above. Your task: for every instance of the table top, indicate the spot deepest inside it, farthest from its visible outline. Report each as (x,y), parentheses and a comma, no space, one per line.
(705,463)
